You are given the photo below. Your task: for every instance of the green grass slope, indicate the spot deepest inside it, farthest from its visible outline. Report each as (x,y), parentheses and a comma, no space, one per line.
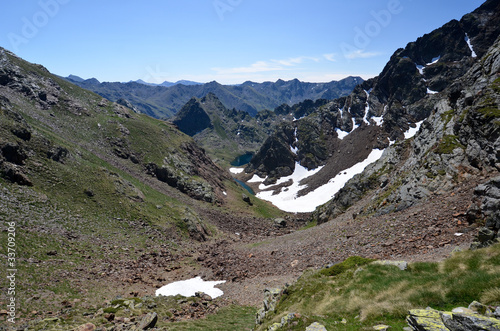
(357,294)
(91,220)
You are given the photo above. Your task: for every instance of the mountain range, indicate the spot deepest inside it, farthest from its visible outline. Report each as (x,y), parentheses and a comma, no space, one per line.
(165,83)
(107,204)
(164,102)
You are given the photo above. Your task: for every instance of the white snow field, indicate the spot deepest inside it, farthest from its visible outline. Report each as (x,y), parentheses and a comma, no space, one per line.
(188,288)
(287,199)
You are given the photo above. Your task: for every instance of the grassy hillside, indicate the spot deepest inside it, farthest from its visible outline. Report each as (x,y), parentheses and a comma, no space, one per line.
(357,294)
(91,220)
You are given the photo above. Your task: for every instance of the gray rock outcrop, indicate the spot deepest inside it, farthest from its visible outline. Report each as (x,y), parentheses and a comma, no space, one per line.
(456,320)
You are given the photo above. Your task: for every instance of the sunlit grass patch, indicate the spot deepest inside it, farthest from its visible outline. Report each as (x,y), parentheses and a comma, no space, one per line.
(368,294)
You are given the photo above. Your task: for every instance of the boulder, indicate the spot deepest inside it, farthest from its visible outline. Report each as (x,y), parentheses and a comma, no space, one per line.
(195,227)
(469,322)
(14,173)
(459,319)
(316,327)
(402,265)
(484,235)
(479,308)
(86,327)
(13,153)
(203,296)
(148,321)
(280,222)
(246,198)
(271,298)
(425,320)
(57,154)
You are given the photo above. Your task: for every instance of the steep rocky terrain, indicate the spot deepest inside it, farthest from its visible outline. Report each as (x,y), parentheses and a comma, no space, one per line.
(164,102)
(224,133)
(430,84)
(458,141)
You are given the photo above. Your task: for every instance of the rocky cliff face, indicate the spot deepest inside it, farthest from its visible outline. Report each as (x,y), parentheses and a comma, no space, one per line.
(192,119)
(443,84)
(225,133)
(459,141)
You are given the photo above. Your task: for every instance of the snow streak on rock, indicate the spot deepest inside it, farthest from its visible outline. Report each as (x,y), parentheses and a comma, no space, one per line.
(467,39)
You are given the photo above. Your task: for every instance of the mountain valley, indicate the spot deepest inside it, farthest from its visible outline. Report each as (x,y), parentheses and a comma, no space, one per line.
(373,199)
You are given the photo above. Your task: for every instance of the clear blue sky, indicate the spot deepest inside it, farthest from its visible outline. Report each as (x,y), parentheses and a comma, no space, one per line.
(229,41)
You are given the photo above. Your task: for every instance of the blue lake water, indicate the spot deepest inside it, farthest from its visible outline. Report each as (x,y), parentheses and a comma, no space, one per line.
(245,186)
(242,160)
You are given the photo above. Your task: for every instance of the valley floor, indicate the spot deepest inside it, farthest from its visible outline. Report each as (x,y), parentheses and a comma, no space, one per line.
(252,254)
(427,232)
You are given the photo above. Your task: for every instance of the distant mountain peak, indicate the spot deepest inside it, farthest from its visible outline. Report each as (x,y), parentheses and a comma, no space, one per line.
(92,81)
(75,78)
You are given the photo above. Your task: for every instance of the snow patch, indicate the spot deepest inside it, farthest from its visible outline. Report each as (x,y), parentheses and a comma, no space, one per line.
(378,120)
(413,131)
(431,92)
(420,68)
(256,179)
(236,170)
(341,134)
(354,125)
(295,149)
(467,39)
(367,107)
(434,60)
(188,288)
(288,201)
(299,174)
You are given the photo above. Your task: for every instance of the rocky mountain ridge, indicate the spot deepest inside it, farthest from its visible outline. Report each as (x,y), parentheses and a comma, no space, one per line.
(227,134)
(430,76)
(459,140)
(164,102)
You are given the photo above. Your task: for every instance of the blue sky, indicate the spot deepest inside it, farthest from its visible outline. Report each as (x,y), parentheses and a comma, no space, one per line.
(230,41)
